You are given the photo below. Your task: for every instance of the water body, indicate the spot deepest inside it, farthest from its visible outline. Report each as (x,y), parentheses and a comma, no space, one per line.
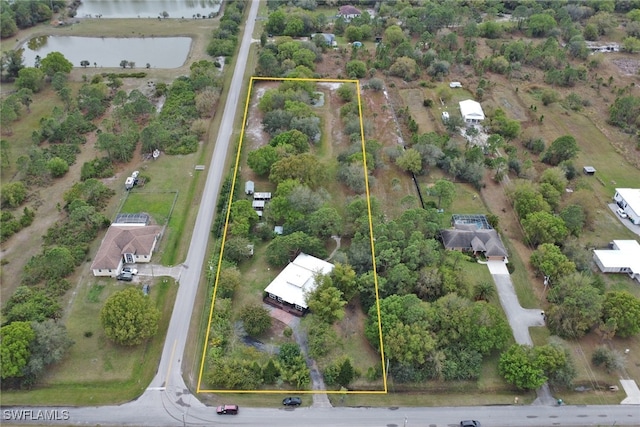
(159,52)
(147,8)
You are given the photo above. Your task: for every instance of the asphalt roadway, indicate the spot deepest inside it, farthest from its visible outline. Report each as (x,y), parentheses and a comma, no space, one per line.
(168,402)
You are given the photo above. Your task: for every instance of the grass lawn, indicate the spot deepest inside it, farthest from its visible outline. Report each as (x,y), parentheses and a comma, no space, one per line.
(157,204)
(18,134)
(97,371)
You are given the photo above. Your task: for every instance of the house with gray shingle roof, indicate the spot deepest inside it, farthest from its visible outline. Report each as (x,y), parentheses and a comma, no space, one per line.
(468,238)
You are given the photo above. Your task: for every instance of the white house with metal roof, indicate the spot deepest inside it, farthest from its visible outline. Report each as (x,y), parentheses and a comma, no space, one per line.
(623,257)
(629,200)
(296,281)
(471,111)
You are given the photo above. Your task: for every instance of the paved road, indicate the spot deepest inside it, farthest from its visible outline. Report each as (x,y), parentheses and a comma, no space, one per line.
(167,392)
(167,401)
(490,416)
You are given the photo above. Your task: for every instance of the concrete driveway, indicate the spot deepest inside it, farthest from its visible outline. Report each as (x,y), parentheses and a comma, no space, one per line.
(625,221)
(156,270)
(520,319)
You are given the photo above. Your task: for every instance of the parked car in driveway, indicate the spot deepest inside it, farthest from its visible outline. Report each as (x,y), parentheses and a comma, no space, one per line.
(292,401)
(227,410)
(622,213)
(131,270)
(125,276)
(470,423)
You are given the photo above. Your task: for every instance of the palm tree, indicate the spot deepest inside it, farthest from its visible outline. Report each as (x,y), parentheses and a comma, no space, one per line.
(483,291)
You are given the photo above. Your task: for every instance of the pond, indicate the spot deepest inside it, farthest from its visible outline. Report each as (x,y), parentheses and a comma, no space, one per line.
(158,52)
(148,8)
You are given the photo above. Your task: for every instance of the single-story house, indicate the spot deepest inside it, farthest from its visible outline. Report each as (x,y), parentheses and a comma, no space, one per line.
(469,238)
(623,257)
(290,288)
(349,12)
(125,244)
(471,111)
(629,200)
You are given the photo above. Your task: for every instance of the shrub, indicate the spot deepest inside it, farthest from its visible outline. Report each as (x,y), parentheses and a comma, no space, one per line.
(611,360)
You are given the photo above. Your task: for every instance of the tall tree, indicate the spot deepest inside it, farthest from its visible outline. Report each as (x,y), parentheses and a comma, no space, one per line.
(445,191)
(305,168)
(129,317)
(15,342)
(326,301)
(518,366)
(549,260)
(576,308)
(543,227)
(50,345)
(624,309)
(30,78)
(561,149)
(410,160)
(55,62)
(255,319)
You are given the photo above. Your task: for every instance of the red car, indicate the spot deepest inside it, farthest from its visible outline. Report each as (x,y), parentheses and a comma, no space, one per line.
(227,410)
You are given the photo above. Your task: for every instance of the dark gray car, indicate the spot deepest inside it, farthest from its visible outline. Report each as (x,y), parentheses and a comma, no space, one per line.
(292,401)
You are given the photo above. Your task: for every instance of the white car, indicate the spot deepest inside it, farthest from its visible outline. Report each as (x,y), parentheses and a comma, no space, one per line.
(133,271)
(622,213)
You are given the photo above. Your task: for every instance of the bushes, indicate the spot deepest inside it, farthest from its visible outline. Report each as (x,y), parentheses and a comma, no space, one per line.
(610,360)
(13,194)
(97,168)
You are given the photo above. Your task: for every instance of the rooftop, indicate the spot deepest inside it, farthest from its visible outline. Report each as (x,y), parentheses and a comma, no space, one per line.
(631,196)
(626,253)
(297,279)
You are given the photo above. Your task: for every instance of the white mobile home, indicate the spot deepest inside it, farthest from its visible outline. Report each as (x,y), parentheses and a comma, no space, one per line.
(471,111)
(629,200)
(623,257)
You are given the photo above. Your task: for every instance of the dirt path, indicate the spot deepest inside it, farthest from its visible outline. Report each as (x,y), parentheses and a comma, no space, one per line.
(48,202)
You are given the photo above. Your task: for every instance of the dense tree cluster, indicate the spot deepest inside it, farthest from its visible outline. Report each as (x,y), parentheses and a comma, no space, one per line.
(225,38)
(129,317)
(443,340)
(529,367)
(24,14)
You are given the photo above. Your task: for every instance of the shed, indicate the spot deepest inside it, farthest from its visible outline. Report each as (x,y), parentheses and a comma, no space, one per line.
(471,111)
(589,170)
(249,187)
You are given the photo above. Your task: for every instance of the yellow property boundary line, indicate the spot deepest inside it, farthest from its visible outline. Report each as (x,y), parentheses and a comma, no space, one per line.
(224,237)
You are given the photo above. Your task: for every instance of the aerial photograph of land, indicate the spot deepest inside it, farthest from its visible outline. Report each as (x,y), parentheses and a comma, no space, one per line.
(320,213)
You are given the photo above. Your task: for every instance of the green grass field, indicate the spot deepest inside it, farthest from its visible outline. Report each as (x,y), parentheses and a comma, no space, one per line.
(97,371)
